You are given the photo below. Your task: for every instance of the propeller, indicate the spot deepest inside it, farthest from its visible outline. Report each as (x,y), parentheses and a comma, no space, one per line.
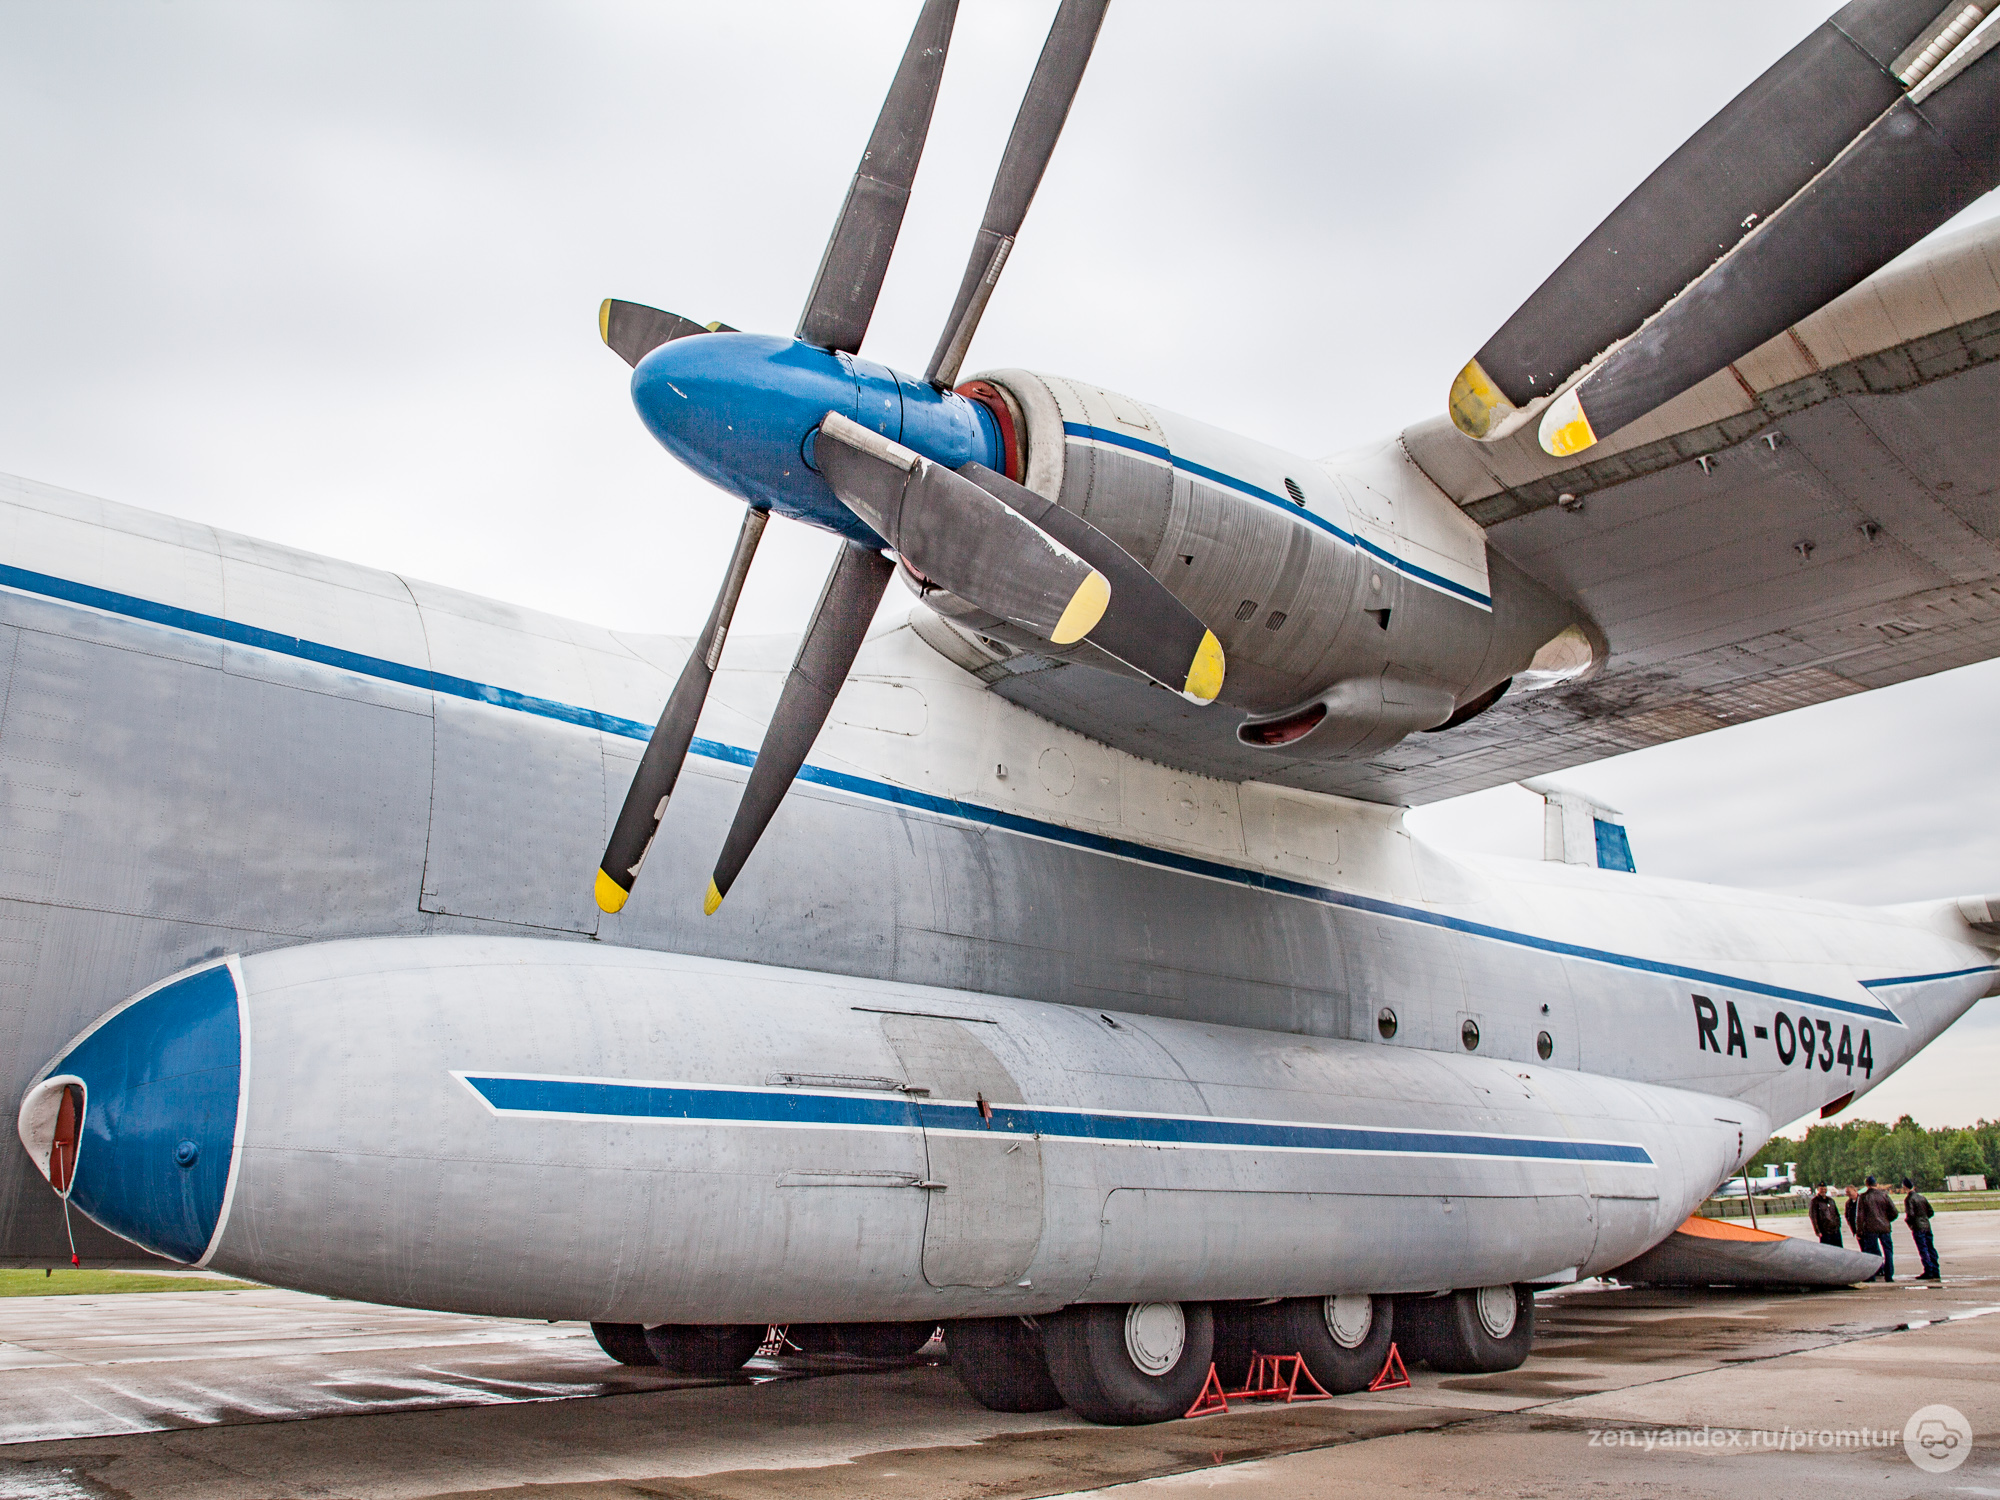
(837,311)
(959,537)
(839,621)
(1044,109)
(1862,139)
(666,752)
(1012,553)
(632,330)
(842,299)
(952,528)
(854,587)
(1145,626)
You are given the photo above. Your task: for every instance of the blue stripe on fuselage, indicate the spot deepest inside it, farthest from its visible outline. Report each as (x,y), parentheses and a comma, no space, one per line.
(194,622)
(1291,508)
(601,1099)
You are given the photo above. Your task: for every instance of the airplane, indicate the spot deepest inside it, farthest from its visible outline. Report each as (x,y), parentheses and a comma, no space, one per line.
(1050,962)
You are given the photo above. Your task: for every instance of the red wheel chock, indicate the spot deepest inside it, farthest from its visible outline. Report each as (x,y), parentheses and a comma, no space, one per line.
(1273,1377)
(1393,1377)
(1212,1398)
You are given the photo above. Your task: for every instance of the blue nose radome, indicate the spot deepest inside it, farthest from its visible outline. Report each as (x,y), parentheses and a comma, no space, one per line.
(137,1116)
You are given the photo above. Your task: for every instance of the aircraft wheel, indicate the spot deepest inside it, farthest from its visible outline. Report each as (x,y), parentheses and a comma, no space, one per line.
(1235,1341)
(1472,1332)
(704,1349)
(1128,1363)
(1345,1340)
(1002,1363)
(882,1340)
(624,1342)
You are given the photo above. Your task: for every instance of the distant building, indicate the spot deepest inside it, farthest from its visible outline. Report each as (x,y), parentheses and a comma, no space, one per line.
(1973,1184)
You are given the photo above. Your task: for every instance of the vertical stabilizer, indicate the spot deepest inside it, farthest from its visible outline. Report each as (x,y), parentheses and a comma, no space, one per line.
(1578,830)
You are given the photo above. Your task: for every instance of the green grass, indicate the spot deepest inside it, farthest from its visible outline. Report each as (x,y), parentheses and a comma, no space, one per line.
(72,1282)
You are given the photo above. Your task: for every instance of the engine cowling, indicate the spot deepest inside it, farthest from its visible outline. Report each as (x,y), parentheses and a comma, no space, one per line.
(1355,602)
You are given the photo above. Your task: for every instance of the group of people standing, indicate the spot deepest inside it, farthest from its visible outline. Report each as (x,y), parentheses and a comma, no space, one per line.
(1871,1216)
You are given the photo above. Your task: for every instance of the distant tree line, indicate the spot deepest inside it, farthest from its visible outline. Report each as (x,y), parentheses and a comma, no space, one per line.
(1851,1153)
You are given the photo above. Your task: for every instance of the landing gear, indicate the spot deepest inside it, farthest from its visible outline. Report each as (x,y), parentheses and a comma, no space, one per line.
(624,1342)
(1345,1340)
(879,1340)
(1001,1361)
(1130,1363)
(1477,1331)
(703,1349)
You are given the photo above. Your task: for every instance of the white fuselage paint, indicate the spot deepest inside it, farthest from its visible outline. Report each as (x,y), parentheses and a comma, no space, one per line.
(373,1165)
(521,1127)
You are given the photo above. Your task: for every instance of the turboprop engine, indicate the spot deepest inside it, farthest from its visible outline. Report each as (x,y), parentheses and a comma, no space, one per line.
(1356,604)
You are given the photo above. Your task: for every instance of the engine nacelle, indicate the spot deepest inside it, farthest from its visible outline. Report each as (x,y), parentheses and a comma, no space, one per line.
(1355,601)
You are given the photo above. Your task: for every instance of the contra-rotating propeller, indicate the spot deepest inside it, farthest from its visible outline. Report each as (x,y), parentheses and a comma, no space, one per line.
(958,524)
(1862,139)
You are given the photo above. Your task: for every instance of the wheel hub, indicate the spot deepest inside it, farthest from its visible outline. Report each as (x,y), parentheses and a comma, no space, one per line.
(1155,1335)
(1349,1317)
(1496,1309)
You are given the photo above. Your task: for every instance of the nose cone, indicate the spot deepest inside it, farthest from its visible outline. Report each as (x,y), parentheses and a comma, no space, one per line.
(160,1080)
(740,410)
(737,408)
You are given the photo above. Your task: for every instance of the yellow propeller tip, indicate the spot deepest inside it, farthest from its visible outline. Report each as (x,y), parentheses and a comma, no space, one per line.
(1476,404)
(1085,608)
(610,894)
(1204,678)
(711,901)
(604,320)
(1565,428)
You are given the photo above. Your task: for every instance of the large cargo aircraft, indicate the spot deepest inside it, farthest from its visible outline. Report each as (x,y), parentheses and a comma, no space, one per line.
(1066,974)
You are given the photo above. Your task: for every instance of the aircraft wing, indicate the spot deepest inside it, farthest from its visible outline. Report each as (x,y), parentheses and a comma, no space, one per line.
(1818,518)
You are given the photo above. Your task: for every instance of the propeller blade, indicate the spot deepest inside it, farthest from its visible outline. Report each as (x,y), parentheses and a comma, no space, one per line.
(959,537)
(839,621)
(1050,91)
(666,752)
(633,330)
(1734,173)
(1928,157)
(850,274)
(1145,626)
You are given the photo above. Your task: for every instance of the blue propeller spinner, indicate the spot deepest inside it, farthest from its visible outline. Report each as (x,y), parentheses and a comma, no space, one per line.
(743,410)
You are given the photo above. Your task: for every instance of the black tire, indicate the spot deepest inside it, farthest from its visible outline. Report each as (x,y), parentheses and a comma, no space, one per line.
(882,1340)
(1092,1359)
(1345,1341)
(1002,1363)
(624,1342)
(1454,1336)
(1235,1341)
(702,1348)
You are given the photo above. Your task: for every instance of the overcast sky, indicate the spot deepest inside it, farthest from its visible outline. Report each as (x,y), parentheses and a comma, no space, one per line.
(328,274)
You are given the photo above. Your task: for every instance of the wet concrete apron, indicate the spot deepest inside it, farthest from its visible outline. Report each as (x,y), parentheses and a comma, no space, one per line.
(247,1395)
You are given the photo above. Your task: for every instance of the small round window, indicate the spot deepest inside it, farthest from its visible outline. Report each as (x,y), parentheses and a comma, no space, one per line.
(1469,1034)
(1385,1023)
(1545,1046)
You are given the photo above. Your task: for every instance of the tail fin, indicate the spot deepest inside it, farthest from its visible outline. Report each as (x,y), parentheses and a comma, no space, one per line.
(1579,830)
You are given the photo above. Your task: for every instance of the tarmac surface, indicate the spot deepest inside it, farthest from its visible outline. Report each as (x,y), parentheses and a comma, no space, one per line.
(252,1395)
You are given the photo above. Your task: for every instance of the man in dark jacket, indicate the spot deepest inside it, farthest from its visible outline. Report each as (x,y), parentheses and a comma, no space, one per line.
(1825,1217)
(1917,1213)
(1874,1217)
(1848,1207)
